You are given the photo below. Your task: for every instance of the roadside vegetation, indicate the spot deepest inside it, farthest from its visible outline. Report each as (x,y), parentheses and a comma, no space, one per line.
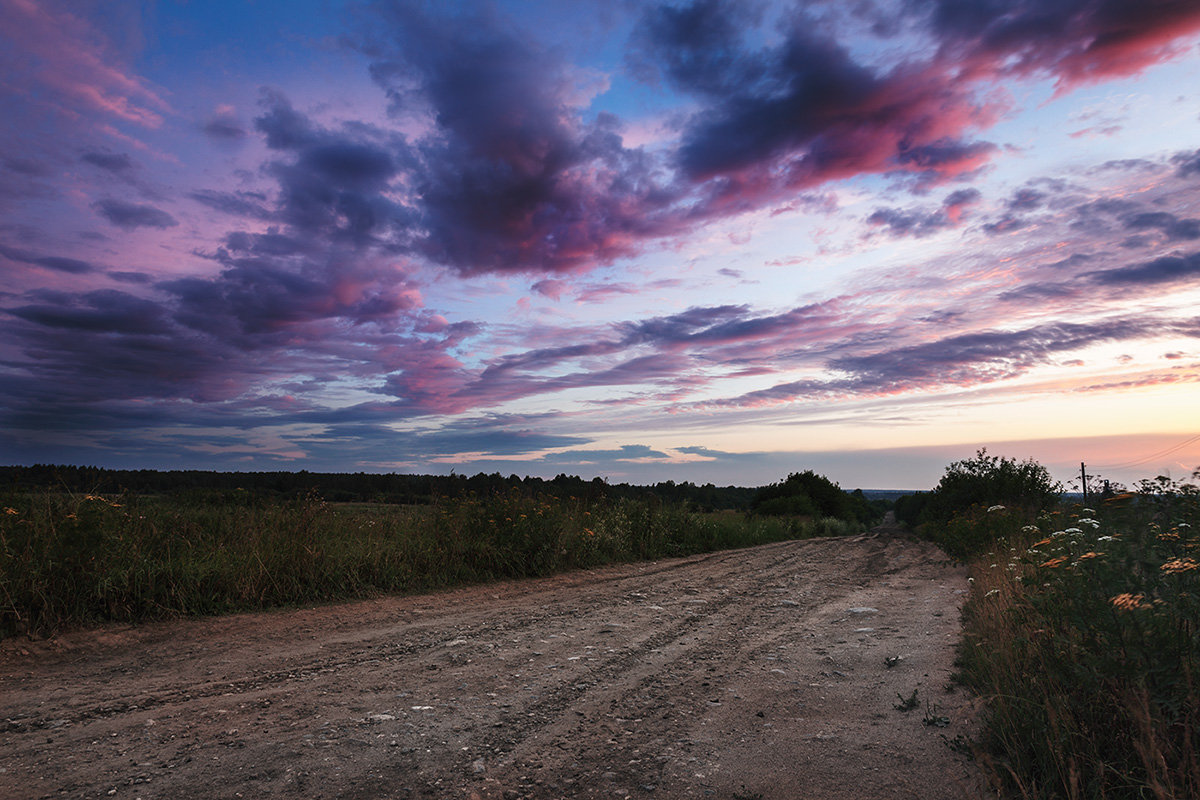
(71,558)
(1082,631)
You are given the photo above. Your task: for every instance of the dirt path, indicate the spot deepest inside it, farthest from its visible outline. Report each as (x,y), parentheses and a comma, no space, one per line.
(748,673)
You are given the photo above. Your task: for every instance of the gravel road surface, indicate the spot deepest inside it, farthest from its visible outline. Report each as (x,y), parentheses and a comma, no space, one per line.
(771,672)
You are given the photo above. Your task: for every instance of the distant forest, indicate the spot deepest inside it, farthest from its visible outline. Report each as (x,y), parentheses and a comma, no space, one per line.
(349,487)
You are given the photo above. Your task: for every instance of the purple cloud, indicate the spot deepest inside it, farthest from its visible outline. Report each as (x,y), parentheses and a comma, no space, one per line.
(72,266)
(133,215)
(923,222)
(224,125)
(112,162)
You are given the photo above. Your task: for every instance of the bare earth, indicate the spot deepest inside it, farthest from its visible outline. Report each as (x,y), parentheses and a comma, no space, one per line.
(730,675)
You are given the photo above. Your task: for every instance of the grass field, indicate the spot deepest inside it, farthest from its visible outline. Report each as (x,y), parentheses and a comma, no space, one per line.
(75,559)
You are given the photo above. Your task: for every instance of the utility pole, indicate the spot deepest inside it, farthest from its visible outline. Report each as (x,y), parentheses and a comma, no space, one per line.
(1083,481)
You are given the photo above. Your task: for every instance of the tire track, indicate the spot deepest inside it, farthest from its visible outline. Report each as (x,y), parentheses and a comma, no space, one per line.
(643,678)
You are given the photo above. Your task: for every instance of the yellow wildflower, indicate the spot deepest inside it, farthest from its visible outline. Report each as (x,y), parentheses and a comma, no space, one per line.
(1054,562)
(1042,542)
(8,510)
(1092,554)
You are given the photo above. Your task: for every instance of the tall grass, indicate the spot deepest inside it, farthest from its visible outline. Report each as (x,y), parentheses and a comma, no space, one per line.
(1082,634)
(68,560)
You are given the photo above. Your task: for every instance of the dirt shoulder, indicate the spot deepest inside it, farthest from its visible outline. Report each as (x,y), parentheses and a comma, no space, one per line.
(729,675)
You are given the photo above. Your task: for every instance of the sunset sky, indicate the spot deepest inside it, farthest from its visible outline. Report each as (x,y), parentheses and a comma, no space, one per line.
(711,241)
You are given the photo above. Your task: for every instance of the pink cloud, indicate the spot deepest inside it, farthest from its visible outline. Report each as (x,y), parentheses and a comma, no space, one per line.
(62,52)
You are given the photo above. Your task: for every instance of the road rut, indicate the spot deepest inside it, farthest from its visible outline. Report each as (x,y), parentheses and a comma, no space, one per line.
(772,671)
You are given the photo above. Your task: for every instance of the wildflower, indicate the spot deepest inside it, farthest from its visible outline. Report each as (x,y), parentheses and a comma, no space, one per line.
(1183,525)
(992,592)
(1073,531)
(1127,602)
(1054,562)
(1087,521)
(1106,538)
(1168,536)
(995,508)
(1029,528)
(8,510)
(1092,554)
(1042,542)
(1087,511)
(1177,565)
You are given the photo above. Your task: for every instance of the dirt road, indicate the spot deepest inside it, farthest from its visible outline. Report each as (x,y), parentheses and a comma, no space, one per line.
(759,672)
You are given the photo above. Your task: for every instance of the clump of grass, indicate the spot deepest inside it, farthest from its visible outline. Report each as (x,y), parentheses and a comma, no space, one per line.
(907,703)
(1083,636)
(68,560)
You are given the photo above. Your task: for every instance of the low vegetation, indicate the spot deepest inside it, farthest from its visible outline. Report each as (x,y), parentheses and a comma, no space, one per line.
(68,559)
(1082,631)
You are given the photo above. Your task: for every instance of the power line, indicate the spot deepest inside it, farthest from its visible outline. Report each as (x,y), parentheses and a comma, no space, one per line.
(1160,454)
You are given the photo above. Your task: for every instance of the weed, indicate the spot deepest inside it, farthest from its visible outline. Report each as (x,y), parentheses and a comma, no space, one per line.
(933,719)
(907,703)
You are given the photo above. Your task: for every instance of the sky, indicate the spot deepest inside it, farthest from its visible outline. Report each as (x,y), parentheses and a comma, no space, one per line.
(712,241)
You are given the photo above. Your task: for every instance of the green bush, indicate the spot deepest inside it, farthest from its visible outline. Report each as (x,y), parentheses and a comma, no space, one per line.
(958,513)
(807,494)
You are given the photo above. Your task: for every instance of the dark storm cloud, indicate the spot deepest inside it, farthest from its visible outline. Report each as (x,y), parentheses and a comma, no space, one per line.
(113,162)
(133,215)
